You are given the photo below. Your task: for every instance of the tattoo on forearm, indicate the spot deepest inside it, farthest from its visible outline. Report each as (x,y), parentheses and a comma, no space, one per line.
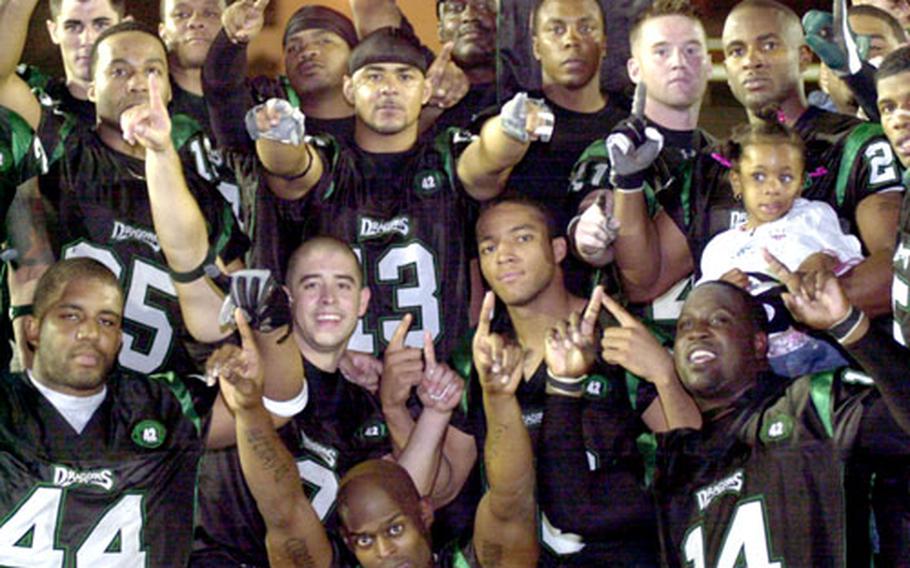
(490,554)
(497,432)
(262,446)
(297,551)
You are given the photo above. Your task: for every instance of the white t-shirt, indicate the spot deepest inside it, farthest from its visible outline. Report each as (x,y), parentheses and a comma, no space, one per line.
(807,228)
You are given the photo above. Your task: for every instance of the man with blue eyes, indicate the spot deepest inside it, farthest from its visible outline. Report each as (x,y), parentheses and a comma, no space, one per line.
(519,258)
(670,59)
(384,520)
(848,163)
(73,27)
(343,423)
(97,189)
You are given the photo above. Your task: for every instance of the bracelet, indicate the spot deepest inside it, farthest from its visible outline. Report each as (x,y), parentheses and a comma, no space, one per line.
(19,311)
(288,408)
(305,171)
(847,325)
(566,384)
(206,268)
(638,189)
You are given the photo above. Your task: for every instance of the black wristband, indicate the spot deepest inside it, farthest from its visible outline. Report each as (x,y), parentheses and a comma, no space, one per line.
(305,171)
(19,311)
(842,329)
(206,268)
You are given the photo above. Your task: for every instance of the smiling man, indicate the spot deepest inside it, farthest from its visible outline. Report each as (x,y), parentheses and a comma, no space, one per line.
(762,479)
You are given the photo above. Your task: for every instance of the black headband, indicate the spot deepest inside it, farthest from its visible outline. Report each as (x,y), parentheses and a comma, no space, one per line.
(388,45)
(323,18)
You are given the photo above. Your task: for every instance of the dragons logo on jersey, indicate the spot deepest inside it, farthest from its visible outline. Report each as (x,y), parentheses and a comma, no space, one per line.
(125,232)
(149,434)
(777,429)
(427,182)
(370,228)
(65,477)
(730,484)
(326,454)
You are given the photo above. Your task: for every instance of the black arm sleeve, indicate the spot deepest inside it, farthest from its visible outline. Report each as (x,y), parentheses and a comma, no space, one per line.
(888,363)
(862,85)
(593,504)
(226,93)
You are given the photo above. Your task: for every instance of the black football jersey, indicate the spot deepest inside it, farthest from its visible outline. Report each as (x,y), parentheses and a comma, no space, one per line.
(53,94)
(900,290)
(121,493)
(411,224)
(764,485)
(612,431)
(341,426)
(101,200)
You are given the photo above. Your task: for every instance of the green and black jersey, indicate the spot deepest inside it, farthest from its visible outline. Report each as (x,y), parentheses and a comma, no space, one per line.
(763,486)
(120,493)
(100,198)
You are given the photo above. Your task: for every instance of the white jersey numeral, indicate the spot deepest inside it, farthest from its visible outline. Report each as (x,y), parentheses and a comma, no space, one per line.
(423,295)
(324,485)
(881,163)
(27,536)
(139,307)
(745,544)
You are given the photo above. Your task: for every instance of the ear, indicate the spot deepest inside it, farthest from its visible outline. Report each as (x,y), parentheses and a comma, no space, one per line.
(426,514)
(32,331)
(162,33)
(736,182)
(90,92)
(805,57)
(634,70)
(365,295)
(347,89)
(427,93)
(534,49)
(52,31)
(760,343)
(560,248)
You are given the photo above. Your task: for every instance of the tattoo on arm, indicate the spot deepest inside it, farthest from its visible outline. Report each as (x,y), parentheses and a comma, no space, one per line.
(490,554)
(296,549)
(262,445)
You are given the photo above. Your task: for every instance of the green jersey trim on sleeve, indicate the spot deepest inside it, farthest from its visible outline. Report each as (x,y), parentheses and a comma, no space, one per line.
(820,392)
(857,138)
(182,394)
(289,91)
(183,127)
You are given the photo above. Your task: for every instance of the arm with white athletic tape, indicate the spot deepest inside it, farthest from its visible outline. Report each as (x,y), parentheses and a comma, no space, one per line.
(292,165)
(487,162)
(633,147)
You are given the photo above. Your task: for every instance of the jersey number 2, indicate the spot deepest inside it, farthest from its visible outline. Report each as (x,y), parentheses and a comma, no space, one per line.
(27,536)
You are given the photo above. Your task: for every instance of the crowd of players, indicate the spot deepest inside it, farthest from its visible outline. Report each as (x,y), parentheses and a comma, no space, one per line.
(248,323)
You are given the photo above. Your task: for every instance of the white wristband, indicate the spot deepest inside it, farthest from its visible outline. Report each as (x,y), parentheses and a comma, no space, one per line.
(288,408)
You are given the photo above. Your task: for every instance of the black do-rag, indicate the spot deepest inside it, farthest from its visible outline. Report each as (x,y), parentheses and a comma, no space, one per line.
(388,45)
(312,17)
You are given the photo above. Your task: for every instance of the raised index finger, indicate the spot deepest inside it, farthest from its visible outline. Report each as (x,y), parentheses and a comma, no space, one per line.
(589,318)
(156,103)
(486,314)
(429,350)
(777,268)
(397,341)
(243,328)
(624,318)
(638,100)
